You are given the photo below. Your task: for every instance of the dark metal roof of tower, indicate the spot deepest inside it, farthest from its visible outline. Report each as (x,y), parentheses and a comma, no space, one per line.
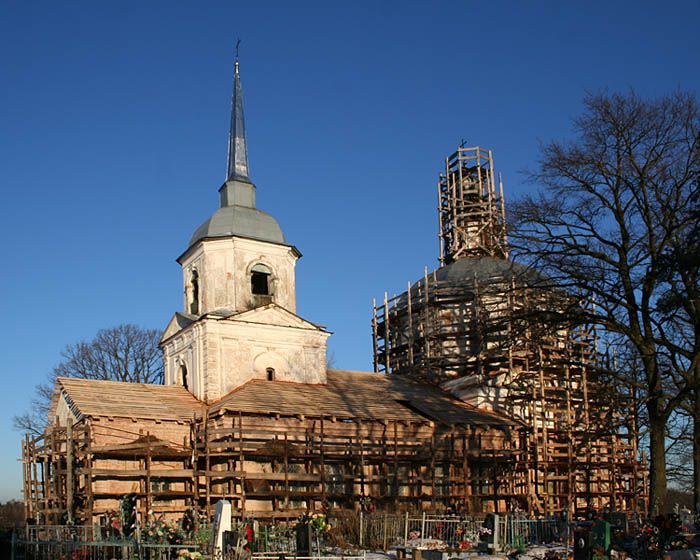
(237,168)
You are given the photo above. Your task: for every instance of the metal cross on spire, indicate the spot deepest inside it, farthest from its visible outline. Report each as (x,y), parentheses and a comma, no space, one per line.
(237,165)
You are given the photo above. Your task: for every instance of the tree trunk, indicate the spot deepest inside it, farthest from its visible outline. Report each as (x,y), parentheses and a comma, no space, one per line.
(657,459)
(696,440)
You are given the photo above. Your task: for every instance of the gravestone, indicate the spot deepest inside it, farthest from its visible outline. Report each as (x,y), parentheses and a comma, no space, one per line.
(222,523)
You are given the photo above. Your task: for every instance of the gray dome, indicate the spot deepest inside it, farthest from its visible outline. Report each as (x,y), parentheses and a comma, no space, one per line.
(481,268)
(243,221)
(484,270)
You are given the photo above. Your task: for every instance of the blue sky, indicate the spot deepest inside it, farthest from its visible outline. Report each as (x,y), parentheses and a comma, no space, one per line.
(113,124)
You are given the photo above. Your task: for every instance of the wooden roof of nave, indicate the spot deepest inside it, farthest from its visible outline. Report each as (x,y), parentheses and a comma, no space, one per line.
(353,394)
(97,398)
(347,395)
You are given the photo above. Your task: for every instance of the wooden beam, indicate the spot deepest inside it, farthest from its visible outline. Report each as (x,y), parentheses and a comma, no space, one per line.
(69,472)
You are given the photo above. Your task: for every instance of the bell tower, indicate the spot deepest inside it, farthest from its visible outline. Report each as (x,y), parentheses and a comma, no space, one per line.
(239,258)
(239,317)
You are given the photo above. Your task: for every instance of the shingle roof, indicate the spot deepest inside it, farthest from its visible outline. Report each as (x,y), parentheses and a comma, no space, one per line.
(90,397)
(350,394)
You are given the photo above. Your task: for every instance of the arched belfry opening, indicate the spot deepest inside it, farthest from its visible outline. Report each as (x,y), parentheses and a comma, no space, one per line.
(261,284)
(183,376)
(194,292)
(260,276)
(270,372)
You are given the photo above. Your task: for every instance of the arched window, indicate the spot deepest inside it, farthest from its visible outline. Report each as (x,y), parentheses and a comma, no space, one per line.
(183,376)
(270,374)
(194,293)
(260,280)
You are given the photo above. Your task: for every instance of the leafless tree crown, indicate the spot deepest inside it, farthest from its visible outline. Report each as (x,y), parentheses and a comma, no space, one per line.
(123,353)
(616,223)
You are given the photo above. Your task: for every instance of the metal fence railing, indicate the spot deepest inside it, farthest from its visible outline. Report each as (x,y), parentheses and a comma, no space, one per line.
(532,531)
(380,531)
(86,533)
(279,538)
(96,550)
(376,531)
(383,531)
(452,531)
(280,556)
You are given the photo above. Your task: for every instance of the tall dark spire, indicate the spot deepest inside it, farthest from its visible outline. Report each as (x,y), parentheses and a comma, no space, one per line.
(237,168)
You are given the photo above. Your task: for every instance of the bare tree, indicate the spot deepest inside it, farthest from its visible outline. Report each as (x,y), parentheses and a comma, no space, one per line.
(122,353)
(679,309)
(679,450)
(610,224)
(12,514)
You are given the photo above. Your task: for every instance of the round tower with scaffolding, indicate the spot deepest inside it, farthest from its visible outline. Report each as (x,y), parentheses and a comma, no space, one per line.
(498,335)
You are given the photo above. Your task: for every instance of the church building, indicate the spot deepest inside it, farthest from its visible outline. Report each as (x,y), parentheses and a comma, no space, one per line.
(250,412)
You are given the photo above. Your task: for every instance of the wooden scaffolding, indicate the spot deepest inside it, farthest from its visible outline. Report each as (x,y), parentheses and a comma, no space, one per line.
(72,476)
(272,466)
(471,210)
(496,335)
(282,466)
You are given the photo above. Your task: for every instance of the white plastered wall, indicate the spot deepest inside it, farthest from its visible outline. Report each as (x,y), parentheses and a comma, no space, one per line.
(223,354)
(224,268)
